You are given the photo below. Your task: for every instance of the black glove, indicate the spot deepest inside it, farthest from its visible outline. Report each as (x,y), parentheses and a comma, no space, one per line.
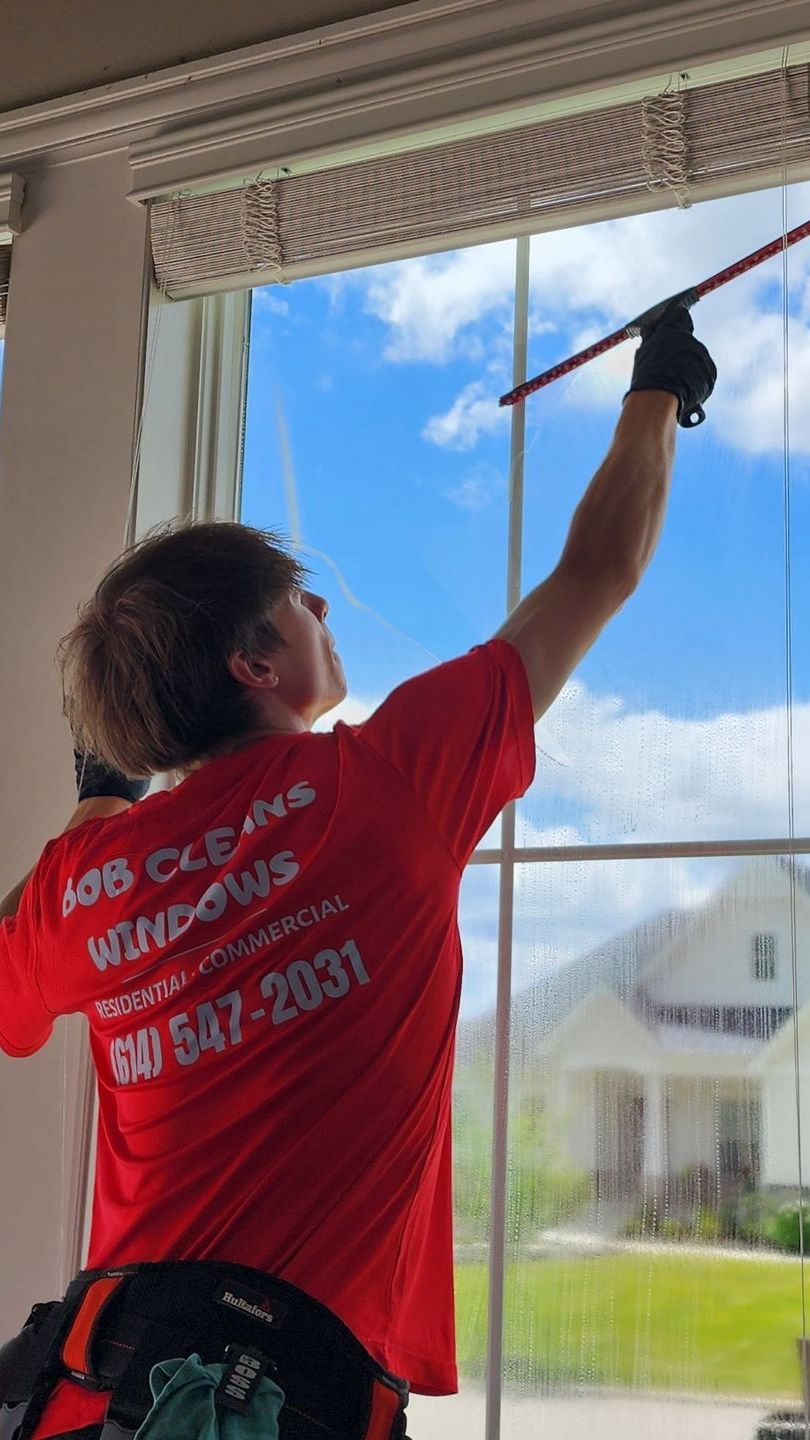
(670,358)
(94,778)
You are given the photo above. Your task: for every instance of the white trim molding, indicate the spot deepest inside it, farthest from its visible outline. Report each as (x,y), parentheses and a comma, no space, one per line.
(194,408)
(416,70)
(12,188)
(221,406)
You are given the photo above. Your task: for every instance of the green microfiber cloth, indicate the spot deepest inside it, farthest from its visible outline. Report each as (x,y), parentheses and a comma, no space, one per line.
(184,1393)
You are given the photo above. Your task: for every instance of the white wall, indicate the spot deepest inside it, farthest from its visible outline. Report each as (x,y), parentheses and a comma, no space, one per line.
(780,1148)
(780,1157)
(51,47)
(692,1123)
(602,1035)
(692,1108)
(70,394)
(714,966)
(572,1117)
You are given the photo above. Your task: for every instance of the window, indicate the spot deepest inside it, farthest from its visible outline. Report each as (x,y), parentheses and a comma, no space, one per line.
(651,1100)
(763,949)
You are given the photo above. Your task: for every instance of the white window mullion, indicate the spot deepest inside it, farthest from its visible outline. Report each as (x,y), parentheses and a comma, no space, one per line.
(500,1110)
(651,850)
(194,407)
(221,406)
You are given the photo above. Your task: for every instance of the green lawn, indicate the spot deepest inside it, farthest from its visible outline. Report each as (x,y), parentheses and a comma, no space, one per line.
(659,1322)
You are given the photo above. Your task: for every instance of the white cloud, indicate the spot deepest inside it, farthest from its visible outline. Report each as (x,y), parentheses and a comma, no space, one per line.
(743,328)
(428,303)
(265,298)
(353,711)
(645,775)
(472,494)
(474,412)
(588,280)
(749,405)
(633,776)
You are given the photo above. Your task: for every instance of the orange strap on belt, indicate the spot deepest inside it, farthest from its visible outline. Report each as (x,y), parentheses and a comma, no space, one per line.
(384,1410)
(76,1349)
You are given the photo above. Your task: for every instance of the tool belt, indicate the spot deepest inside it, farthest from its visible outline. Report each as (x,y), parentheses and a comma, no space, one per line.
(113,1326)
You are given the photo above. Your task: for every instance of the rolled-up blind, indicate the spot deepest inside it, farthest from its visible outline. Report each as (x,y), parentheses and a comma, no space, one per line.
(5,267)
(712,139)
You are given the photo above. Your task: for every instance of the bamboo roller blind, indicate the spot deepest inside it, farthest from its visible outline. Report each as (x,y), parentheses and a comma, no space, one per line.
(473,190)
(5,266)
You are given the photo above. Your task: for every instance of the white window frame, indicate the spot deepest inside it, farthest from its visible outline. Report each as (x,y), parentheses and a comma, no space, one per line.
(190,448)
(192,428)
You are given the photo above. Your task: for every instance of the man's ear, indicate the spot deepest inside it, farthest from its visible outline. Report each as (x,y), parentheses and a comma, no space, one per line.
(257,672)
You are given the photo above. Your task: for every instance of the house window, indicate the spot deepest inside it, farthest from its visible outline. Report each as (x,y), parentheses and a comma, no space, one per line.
(764,956)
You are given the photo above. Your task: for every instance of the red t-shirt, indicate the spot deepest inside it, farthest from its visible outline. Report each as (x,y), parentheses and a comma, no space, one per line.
(269,961)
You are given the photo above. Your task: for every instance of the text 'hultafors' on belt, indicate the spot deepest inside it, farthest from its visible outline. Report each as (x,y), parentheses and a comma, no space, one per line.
(113,1327)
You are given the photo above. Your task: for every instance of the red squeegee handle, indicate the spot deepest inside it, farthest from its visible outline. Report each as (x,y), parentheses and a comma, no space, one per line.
(616,337)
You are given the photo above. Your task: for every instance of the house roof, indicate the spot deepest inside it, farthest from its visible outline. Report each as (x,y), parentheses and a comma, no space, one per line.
(603,1033)
(619,965)
(764,877)
(612,1030)
(542,1006)
(781,1048)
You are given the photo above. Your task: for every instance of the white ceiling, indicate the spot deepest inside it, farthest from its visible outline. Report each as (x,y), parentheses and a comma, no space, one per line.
(55,47)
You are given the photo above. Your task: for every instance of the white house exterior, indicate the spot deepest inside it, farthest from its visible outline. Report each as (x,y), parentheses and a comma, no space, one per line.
(687,1069)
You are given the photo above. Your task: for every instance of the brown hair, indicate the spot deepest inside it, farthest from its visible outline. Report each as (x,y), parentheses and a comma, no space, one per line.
(145,674)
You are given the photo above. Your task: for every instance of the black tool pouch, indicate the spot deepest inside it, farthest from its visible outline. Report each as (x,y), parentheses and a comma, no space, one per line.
(21,1364)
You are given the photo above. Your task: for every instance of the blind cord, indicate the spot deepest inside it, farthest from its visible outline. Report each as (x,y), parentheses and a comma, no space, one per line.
(789,735)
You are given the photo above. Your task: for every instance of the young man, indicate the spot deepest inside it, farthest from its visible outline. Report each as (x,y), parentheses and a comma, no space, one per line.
(268,955)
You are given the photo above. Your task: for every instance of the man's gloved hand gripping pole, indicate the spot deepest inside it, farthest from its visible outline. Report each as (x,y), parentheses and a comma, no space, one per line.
(669,358)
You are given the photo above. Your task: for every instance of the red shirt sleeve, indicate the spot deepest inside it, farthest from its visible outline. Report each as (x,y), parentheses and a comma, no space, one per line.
(462,736)
(25,1021)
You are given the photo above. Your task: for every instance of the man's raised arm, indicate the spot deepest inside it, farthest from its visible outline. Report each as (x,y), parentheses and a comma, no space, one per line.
(616,526)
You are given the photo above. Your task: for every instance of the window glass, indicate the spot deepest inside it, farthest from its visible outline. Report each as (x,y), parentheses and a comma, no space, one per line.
(374,438)
(652,1280)
(675,726)
(472,1144)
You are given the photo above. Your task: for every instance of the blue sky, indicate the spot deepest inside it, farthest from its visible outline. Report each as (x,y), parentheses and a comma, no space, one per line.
(375,437)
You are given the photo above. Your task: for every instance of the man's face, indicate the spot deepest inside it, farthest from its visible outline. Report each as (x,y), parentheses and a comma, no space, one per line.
(311,678)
